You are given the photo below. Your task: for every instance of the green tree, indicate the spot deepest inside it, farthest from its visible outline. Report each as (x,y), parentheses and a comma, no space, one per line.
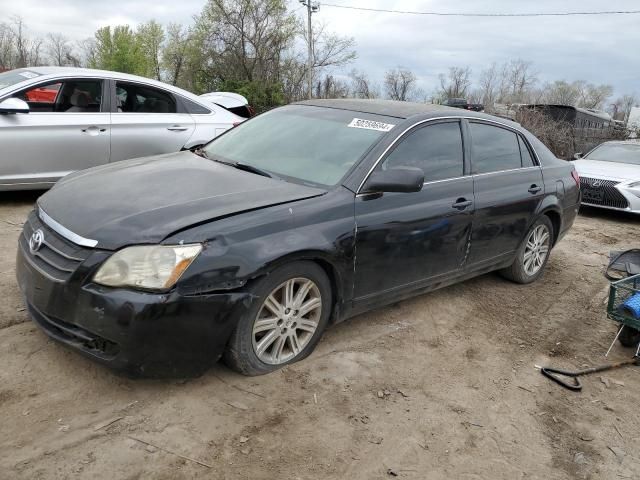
(119,50)
(149,38)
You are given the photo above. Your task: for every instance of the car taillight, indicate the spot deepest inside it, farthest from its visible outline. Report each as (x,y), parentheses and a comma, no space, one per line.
(576,177)
(235,124)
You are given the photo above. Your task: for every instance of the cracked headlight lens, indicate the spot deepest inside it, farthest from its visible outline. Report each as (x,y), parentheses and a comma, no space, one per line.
(154,267)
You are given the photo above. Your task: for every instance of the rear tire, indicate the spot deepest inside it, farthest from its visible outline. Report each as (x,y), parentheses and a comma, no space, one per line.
(285,322)
(533,254)
(629,337)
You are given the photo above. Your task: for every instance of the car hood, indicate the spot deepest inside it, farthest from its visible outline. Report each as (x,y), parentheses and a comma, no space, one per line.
(145,200)
(607,170)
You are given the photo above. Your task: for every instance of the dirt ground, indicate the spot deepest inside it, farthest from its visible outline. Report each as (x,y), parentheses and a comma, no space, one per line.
(441,386)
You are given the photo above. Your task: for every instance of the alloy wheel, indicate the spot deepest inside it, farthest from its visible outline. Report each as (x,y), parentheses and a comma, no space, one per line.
(536,249)
(286,321)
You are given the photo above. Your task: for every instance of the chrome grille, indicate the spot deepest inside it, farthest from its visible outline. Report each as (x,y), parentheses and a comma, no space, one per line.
(57,258)
(602,193)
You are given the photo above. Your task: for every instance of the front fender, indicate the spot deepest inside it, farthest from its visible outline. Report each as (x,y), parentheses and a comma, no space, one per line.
(241,248)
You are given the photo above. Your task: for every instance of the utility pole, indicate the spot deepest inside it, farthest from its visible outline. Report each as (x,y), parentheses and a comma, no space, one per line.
(312,7)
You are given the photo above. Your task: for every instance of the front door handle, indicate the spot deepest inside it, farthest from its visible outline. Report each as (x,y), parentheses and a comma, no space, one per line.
(177,128)
(462,203)
(533,189)
(93,130)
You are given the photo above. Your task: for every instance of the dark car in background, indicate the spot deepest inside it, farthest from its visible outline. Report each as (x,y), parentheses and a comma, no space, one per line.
(456,103)
(298,218)
(464,104)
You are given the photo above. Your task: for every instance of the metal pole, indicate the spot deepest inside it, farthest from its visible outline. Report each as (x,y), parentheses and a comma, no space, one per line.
(310,52)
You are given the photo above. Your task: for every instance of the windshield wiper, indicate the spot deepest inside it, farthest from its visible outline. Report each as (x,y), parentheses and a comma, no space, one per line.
(252,169)
(246,167)
(239,165)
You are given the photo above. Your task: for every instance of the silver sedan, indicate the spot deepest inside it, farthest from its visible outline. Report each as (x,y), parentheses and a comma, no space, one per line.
(56,120)
(610,176)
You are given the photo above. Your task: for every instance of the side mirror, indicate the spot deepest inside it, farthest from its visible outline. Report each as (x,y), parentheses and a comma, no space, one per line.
(577,156)
(13,105)
(404,179)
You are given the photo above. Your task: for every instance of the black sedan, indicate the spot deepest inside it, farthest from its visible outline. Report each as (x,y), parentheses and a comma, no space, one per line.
(301,217)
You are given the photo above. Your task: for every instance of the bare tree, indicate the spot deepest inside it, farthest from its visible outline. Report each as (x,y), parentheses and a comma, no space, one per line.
(331,50)
(60,51)
(400,84)
(86,52)
(516,79)
(627,102)
(594,96)
(331,87)
(362,87)
(456,82)
(489,84)
(7,47)
(562,93)
(27,51)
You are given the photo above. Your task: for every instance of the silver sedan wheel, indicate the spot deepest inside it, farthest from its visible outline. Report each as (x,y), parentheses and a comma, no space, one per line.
(286,321)
(536,249)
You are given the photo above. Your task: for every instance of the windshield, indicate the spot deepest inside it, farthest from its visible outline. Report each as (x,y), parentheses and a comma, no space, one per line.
(311,144)
(16,76)
(616,152)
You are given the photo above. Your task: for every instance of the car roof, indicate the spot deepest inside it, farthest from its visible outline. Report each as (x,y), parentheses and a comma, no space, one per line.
(391,108)
(399,109)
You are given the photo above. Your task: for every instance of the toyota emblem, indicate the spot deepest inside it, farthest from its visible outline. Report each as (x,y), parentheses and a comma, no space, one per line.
(596,184)
(36,241)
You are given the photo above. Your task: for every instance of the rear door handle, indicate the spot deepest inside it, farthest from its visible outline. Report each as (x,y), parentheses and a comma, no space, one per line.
(177,128)
(93,130)
(462,203)
(534,189)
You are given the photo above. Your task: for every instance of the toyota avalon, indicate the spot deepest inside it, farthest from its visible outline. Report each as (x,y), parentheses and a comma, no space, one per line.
(301,217)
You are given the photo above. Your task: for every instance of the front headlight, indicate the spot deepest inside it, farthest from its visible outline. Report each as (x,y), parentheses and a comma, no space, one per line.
(156,267)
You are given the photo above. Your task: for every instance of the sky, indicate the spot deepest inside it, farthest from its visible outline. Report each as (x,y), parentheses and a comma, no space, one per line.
(598,49)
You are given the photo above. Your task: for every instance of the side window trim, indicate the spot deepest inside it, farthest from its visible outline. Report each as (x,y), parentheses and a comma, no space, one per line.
(398,141)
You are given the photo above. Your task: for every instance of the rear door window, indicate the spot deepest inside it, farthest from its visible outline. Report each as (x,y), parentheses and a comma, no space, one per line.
(494,148)
(136,98)
(435,149)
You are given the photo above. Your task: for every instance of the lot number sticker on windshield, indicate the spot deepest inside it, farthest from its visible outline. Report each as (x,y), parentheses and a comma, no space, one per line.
(371,125)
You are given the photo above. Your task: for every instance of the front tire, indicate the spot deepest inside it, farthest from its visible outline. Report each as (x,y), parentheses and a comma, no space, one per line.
(533,254)
(285,322)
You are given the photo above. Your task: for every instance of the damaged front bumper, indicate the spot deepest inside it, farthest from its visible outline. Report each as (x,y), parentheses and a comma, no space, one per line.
(137,333)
